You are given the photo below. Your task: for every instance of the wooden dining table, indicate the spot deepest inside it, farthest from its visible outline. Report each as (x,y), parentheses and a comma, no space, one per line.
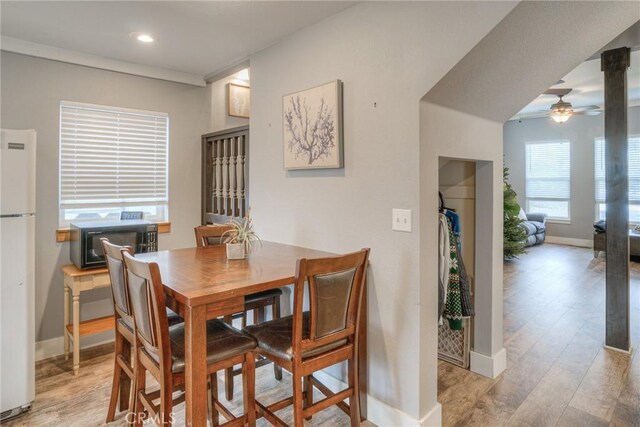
(202,284)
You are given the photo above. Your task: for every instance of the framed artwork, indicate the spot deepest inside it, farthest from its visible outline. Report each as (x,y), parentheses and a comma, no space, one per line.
(239,100)
(312,127)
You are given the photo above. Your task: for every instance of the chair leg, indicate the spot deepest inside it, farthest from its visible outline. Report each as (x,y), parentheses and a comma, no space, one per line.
(166,405)
(228,373)
(277,369)
(249,387)
(117,373)
(308,389)
(354,400)
(297,400)
(141,383)
(125,381)
(213,391)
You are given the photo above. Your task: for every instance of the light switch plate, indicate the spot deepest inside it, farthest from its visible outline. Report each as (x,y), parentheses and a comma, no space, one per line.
(401,220)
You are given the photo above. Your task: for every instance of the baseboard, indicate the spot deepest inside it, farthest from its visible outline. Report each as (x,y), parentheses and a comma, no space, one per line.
(488,366)
(380,413)
(581,243)
(433,418)
(55,346)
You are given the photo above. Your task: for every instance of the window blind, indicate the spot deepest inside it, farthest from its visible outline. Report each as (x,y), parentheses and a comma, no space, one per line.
(634,170)
(112,156)
(548,170)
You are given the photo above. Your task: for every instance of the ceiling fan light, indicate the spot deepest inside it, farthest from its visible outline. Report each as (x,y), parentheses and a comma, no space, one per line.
(561,116)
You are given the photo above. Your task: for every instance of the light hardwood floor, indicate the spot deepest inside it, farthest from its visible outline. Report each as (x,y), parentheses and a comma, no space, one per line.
(82,401)
(558,372)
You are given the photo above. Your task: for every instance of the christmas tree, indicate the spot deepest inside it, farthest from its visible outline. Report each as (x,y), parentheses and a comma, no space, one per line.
(514,235)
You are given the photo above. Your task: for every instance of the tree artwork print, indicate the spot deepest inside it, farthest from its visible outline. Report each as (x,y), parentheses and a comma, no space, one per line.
(312,127)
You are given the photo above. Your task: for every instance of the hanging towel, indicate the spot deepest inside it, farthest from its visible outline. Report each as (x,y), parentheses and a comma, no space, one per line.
(453,303)
(465,286)
(443,263)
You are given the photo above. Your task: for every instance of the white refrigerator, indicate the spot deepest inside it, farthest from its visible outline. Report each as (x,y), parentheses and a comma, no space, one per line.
(17,264)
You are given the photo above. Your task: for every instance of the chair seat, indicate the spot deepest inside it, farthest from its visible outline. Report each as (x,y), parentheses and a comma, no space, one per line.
(268,294)
(223,342)
(275,337)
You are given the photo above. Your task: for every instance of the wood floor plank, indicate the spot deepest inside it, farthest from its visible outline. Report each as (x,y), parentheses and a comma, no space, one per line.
(554,333)
(601,387)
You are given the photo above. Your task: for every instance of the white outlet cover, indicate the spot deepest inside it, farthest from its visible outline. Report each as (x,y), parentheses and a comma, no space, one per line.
(401,220)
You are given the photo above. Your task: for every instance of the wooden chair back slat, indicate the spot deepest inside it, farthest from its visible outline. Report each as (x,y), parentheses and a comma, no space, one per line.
(148,304)
(208,235)
(335,289)
(116,268)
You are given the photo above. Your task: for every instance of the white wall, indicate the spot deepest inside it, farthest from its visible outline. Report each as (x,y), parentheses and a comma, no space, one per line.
(581,131)
(31,91)
(390,55)
(219,98)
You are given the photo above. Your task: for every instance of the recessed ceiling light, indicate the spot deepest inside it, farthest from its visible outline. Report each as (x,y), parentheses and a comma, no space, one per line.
(142,37)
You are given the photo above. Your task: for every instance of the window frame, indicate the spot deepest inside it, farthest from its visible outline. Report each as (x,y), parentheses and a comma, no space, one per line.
(528,199)
(601,202)
(155,211)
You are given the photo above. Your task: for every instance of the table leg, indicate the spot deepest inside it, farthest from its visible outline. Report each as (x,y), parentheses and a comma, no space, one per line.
(195,366)
(66,322)
(76,332)
(362,355)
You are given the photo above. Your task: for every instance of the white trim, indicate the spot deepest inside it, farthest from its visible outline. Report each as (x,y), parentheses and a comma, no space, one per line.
(227,71)
(380,413)
(581,243)
(10,44)
(55,347)
(489,366)
(433,418)
(619,350)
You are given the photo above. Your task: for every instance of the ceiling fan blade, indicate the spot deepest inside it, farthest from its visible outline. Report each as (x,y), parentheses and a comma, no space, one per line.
(587,113)
(557,92)
(588,107)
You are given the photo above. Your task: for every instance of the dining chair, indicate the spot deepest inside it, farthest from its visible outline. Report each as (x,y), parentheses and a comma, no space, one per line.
(124,368)
(210,235)
(327,334)
(160,350)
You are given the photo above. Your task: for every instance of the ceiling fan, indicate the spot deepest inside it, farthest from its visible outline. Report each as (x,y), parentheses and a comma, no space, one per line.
(562,110)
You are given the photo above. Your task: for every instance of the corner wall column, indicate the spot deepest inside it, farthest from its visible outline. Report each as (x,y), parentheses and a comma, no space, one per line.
(614,64)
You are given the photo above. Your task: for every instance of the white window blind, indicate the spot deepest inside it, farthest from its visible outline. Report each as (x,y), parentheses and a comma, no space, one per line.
(634,178)
(548,178)
(112,157)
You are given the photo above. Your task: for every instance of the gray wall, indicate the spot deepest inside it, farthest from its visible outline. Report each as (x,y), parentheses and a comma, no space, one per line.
(581,131)
(31,91)
(219,98)
(390,55)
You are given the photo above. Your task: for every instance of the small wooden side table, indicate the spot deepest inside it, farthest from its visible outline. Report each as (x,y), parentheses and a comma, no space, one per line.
(75,282)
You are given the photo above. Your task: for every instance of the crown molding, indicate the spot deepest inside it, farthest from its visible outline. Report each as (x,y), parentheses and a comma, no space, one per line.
(9,44)
(227,71)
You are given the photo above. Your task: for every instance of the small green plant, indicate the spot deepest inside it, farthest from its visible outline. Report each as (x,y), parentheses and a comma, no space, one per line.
(514,234)
(241,231)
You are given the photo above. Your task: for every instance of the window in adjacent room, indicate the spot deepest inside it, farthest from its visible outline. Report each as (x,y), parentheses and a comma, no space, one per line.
(112,160)
(548,178)
(634,179)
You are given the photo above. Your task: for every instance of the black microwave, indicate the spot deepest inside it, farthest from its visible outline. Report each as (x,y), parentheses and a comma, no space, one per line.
(86,248)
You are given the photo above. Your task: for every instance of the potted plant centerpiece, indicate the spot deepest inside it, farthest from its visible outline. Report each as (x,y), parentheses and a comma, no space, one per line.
(240,237)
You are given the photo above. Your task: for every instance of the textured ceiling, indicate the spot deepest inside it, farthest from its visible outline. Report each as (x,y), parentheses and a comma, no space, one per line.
(587,82)
(527,52)
(193,37)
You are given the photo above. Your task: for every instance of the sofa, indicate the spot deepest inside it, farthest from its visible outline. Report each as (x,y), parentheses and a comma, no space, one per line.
(535,226)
